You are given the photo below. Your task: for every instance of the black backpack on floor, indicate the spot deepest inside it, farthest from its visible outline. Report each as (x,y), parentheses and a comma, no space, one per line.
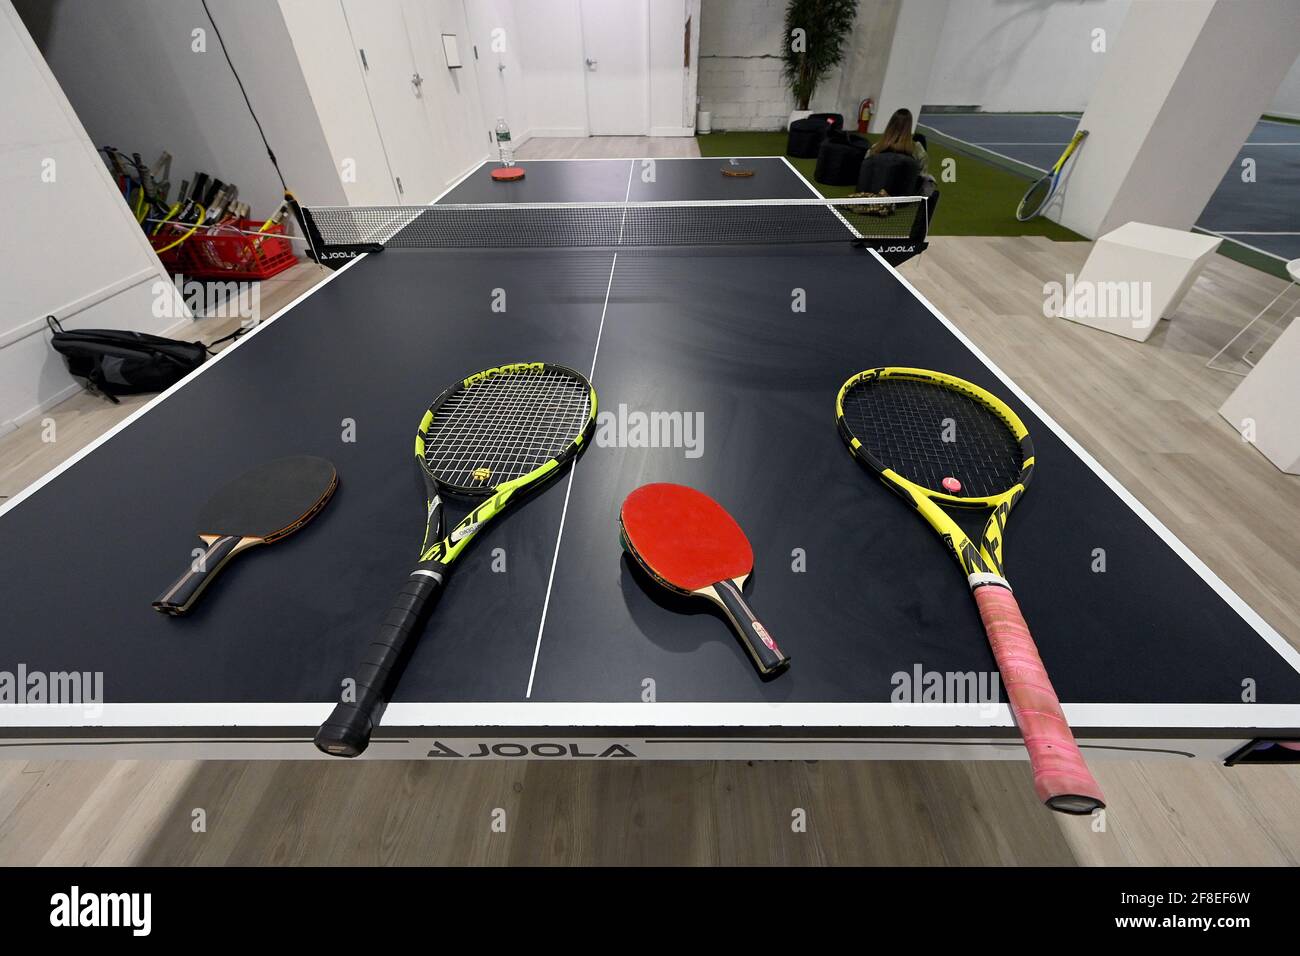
(112,362)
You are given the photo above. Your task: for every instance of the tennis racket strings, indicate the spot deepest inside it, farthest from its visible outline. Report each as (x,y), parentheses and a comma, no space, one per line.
(926,434)
(504,428)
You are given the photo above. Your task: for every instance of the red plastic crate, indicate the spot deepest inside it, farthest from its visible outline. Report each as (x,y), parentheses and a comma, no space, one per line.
(174,259)
(237,254)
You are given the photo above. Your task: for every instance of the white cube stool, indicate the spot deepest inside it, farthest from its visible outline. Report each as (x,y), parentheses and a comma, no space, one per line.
(1135,275)
(1263,408)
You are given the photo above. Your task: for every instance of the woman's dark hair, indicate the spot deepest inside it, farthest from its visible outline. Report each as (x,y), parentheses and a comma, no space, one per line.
(897,137)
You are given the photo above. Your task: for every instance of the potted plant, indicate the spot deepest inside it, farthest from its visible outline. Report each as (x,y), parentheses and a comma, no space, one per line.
(815,31)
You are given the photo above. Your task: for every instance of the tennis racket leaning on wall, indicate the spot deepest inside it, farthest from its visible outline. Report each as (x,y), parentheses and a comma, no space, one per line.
(1041,192)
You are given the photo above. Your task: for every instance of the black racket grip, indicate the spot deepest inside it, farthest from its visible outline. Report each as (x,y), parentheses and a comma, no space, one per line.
(346,732)
(180,597)
(767,657)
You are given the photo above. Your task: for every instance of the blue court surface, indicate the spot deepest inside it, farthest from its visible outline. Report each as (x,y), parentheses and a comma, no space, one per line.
(1264,214)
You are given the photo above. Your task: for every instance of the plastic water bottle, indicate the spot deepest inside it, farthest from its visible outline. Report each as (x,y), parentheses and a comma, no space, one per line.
(505,148)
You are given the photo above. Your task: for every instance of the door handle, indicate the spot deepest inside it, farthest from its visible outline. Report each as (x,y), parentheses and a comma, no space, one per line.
(591,64)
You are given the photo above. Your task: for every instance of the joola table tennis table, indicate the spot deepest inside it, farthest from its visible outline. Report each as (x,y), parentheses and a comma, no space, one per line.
(717,367)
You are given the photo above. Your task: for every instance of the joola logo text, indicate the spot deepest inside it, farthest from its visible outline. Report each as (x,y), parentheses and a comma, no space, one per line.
(515,750)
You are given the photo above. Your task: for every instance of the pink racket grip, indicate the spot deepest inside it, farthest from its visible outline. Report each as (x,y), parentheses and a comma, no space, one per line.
(1061,777)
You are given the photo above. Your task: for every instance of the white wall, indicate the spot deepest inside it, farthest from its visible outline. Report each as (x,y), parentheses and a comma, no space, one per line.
(503,90)
(320,41)
(1286,102)
(741,80)
(672,109)
(69,245)
(1005,55)
(906,81)
(453,93)
(552,54)
(861,73)
(130,72)
(740,64)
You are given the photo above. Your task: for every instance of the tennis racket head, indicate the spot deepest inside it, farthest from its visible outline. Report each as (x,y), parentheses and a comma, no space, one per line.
(505,427)
(1032,203)
(940,441)
(927,429)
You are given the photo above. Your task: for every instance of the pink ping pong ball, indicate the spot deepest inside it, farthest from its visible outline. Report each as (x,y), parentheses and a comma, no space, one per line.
(951,485)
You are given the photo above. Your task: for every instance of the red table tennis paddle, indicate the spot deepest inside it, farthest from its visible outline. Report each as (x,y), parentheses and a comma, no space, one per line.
(688,543)
(263,505)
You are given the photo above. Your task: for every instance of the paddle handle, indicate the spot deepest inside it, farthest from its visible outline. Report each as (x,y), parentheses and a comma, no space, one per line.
(178,598)
(768,658)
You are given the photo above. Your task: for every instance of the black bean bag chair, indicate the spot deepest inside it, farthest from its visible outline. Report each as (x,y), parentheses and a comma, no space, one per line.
(838,160)
(806,137)
(896,173)
(833,120)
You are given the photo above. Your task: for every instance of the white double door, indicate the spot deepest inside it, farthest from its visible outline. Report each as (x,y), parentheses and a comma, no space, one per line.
(428,114)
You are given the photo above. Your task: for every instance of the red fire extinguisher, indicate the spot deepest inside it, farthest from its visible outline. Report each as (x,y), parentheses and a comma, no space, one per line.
(864,114)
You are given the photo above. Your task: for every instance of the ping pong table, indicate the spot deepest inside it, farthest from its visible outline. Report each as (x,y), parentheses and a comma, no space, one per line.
(547,643)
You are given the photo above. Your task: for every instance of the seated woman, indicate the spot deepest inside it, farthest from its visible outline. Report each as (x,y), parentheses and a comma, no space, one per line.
(897,138)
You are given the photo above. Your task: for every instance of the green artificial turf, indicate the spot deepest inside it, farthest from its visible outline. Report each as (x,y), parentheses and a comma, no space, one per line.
(980,201)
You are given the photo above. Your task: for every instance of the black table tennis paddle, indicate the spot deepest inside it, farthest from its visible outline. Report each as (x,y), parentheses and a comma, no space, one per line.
(263,505)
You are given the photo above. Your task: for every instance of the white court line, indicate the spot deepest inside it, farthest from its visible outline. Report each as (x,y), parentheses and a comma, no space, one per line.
(977,146)
(989,116)
(1246,245)
(1260,233)
(1248,614)
(564,512)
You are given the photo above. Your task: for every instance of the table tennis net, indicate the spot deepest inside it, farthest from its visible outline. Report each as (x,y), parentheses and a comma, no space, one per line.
(869,221)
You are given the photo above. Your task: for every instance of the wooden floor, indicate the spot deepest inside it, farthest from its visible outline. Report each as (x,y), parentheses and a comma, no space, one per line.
(1148,412)
(60,433)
